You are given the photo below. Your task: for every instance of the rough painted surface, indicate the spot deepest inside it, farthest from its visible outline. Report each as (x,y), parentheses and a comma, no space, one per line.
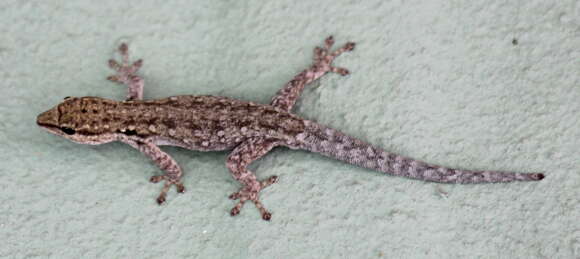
(442,81)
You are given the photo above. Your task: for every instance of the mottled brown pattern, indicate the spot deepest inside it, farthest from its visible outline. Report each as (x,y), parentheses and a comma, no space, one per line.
(187,119)
(210,123)
(335,144)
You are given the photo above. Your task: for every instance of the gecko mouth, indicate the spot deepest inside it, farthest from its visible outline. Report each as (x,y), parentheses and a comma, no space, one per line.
(44,125)
(56,130)
(49,128)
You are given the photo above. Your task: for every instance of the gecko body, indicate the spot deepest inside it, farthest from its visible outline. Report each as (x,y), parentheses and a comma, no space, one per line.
(250,130)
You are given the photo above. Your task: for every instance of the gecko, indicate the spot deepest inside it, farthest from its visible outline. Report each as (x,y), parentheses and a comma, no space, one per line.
(250,130)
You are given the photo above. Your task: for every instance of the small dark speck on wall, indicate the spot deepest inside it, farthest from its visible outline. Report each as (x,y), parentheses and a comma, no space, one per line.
(515,41)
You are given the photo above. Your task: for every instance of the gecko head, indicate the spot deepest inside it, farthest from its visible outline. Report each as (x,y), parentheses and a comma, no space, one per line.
(71,119)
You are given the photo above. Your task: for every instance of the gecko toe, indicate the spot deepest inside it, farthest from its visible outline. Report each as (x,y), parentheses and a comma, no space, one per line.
(271,180)
(323,56)
(168,182)
(234,211)
(328,42)
(161,199)
(267,216)
(234,196)
(137,64)
(123,48)
(156,178)
(180,188)
(113,64)
(125,71)
(247,193)
(340,70)
(349,46)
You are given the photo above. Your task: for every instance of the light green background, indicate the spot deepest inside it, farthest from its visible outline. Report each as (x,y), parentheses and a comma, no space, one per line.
(439,81)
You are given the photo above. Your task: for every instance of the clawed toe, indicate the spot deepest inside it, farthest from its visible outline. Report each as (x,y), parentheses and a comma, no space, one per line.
(166,186)
(340,70)
(328,42)
(323,56)
(266,215)
(249,194)
(271,180)
(125,71)
(113,64)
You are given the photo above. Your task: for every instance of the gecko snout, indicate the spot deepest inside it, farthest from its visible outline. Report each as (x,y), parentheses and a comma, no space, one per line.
(48,118)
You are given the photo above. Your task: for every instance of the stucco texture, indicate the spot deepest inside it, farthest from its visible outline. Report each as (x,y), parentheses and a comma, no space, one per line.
(467,84)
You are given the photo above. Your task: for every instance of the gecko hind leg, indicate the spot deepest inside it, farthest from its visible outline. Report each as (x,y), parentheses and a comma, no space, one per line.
(323,58)
(126,74)
(237,162)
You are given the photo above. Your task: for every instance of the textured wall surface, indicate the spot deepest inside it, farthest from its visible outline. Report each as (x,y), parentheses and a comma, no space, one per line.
(468,84)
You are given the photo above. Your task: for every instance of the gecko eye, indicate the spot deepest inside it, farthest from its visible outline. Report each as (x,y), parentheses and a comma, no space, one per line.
(68,131)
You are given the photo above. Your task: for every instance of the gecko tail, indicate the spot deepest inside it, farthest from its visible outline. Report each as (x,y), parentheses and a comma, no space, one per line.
(335,144)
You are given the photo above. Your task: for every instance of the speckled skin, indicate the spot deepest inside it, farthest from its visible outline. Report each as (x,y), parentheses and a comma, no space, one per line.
(250,130)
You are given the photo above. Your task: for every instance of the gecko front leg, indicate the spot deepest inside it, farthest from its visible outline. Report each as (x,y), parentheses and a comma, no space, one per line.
(172,170)
(126,74)
(237,162)
(323,57)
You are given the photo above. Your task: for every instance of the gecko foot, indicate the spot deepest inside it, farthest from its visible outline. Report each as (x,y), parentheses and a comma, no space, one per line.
(323,56)
(126,73)
(166,186)
(251,193)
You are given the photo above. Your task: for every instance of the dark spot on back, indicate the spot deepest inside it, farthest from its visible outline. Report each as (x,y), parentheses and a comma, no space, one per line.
(268,126)
(218,128)
(244,123)
(270,112)
(128,132)
(152,121)
(169,123)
